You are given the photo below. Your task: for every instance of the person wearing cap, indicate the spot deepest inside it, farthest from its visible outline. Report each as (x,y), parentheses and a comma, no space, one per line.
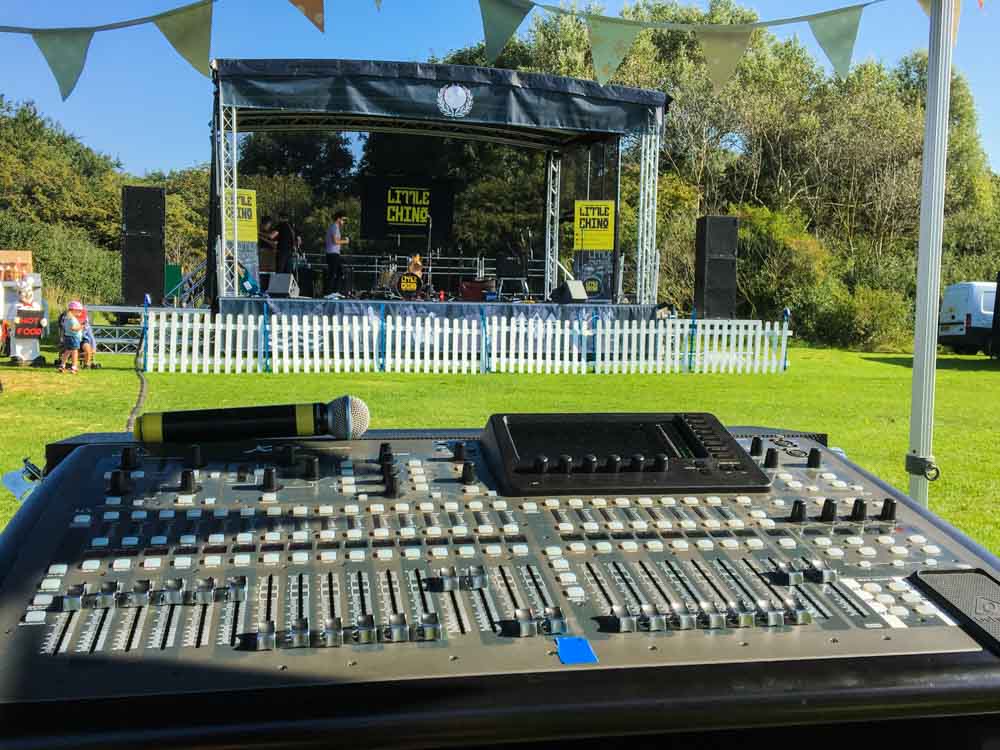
(72,337)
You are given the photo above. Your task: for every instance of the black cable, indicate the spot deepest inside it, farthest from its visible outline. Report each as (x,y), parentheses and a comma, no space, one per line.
(141,398)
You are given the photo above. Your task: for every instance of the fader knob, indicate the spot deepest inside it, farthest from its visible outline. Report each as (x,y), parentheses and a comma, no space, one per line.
(662,462)
(312,468)
(829,512)
(613,464)
(798,514)
(815,458)
(130,458)
(332,635)
(385,449)
(756,447)
(266,636)
(541,464)
(364,630)
(565,464)
(459,452)
(188,484)
(468,473)
(888,512)
(589,465)
(196,460)
(300,633)
(392,485)
(637,463)
(771,458)
(430,627)
(270,481)
(859,513)
(118,484)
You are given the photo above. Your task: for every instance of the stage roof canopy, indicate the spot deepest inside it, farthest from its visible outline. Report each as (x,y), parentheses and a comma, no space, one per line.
(457,101)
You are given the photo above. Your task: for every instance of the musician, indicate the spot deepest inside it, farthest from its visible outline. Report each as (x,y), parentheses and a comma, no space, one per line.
(416,267)
(335,240)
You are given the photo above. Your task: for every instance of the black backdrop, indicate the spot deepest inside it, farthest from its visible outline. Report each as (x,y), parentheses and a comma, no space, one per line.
(401,205)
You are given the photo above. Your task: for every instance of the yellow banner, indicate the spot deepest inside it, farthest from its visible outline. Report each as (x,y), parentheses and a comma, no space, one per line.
(407,207)
(246,214)
(594,225)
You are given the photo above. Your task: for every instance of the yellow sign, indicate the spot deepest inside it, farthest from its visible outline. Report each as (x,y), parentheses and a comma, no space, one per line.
(594,225)
(246,215)
(408,207)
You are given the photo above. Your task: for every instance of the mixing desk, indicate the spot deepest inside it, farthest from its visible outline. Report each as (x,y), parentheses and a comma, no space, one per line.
(549,576)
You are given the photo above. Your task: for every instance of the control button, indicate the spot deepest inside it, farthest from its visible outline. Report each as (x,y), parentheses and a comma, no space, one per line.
(562,563)
(898,550)
(872,588)
(735,523)
(766,523)
(755,544)
(912,598)
(886,541)
(712,523)
(822,541)
(216,538)
(668,501)
(567,578)
(744,499)
(787,543)
(835,552)
(520,550)
(705,545)
(926,610)
(213,561)
(654,545)
(899,586)
(714,500)
(630,546)
(758,514)
(42,600)
(58,569)
(690,500)
(358,555)
(603,548)
(122,563)
(34,617)
(664,525)
(380,554)
(866,596)
(242,560)
(867,551)
(50,584)
(679,545)
(878,608)
(493,550)
(688,524)
(917,539)
(183,562)
(730,544)
(854,541)
(886,598)
(622,502)
(329,555)
(899,611)
(931,549)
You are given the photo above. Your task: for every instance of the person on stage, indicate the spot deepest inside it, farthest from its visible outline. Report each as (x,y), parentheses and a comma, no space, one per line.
(335,240)
(286,243)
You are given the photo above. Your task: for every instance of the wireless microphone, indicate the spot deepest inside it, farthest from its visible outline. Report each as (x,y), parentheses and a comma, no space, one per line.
(345,418)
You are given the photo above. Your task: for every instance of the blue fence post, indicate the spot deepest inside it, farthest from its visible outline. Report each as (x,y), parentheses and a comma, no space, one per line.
(145,331)
(381,339)
(266,333)
(484,357)
(786,318)
(691,337)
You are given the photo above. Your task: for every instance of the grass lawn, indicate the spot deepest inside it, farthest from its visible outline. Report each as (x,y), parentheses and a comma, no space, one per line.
(861,400)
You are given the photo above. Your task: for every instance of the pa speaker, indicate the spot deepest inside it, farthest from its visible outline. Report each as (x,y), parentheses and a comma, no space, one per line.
(569,292)
(143,257)
(283,285)
(715,266)
(143,210)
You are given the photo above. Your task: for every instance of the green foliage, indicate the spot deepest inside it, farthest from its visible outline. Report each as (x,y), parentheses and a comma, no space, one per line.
(70,263)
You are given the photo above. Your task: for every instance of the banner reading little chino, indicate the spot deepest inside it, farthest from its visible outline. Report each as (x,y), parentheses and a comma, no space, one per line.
(406,207)
(594,225)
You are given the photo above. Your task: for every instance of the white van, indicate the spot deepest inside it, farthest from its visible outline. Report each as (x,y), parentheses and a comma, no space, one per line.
(966,321)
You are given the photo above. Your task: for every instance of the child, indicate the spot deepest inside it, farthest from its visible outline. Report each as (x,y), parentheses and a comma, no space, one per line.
(72,335)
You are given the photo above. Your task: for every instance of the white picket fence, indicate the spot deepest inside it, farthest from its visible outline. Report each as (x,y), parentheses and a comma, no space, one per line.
(177,341)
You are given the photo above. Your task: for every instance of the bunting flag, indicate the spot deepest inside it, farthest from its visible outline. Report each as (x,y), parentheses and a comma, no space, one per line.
(722,50)
(65,52)
(836,33)
(610,41)
(189,31)
(313,10)
(500,20)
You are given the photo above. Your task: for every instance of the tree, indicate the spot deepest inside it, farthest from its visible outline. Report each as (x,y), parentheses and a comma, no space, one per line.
(322,159)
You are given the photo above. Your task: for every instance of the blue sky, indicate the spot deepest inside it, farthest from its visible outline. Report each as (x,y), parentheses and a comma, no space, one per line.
(141,102)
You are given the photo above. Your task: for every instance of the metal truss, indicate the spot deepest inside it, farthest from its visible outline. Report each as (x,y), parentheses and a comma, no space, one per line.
(553,173)
(228,154)
(647,257)
(117,339)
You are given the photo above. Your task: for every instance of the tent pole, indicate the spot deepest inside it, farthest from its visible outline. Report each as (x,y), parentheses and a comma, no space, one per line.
(920,459)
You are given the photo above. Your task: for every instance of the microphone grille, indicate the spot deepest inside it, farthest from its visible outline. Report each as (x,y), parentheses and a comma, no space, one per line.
(348,417)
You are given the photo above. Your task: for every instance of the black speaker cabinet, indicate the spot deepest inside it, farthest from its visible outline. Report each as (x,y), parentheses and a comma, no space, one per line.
(569,292)
(282,285)
(143,210)
(143,257)
(715,266)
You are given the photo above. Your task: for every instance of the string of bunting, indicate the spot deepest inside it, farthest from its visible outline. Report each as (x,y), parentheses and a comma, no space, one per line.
(188,29)
(723,45)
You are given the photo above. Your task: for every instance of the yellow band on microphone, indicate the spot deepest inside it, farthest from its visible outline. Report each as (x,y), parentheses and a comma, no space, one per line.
(149,428)
(304,423)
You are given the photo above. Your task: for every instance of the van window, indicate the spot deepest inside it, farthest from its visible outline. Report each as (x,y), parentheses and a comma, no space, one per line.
(989,301)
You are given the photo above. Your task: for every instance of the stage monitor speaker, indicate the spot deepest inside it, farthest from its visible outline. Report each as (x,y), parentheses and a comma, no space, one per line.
(143,258)
(715,266)
(569,292)
(510,265)
(143,210)
(283,285)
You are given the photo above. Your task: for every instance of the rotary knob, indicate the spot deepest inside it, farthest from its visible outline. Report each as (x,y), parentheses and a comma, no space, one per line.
(859,512)
(589,465)
(771,458)
(815,459)
(756,447)
(829,512)
(613,464)
(312,468)
(458,452)
(130,458)
(541,464)
(798,514)
(270,480)
(637,462)
(468,473)
(565,464)
(888,512)
(196,460)
(662,463)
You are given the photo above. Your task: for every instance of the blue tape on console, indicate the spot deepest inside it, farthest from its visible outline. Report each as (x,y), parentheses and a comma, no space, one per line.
(575,651)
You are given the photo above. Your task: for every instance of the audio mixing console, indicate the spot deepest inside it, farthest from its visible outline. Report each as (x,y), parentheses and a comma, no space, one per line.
(549,576)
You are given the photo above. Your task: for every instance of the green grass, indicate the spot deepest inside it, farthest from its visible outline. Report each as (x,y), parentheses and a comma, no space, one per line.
(861,400)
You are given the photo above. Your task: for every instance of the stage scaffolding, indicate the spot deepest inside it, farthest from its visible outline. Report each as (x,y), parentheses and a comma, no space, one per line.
(336,95)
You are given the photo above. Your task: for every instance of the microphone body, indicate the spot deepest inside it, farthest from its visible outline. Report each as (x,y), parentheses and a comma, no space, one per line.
(344,418)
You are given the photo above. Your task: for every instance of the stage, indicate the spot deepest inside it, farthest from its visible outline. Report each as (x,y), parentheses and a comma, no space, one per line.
(299,307)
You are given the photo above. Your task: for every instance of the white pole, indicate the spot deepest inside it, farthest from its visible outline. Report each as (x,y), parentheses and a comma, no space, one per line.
(920,459)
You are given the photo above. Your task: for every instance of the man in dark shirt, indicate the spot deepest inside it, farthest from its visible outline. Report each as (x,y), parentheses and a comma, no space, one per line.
(286,243)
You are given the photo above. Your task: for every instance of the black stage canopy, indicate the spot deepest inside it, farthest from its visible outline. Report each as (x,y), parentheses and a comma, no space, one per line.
(491,104)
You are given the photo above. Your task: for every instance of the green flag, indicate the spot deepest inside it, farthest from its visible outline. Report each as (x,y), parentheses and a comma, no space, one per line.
(500,20)
(722,50)
(65,51)
(189,31)
(836,33)
(610,41)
